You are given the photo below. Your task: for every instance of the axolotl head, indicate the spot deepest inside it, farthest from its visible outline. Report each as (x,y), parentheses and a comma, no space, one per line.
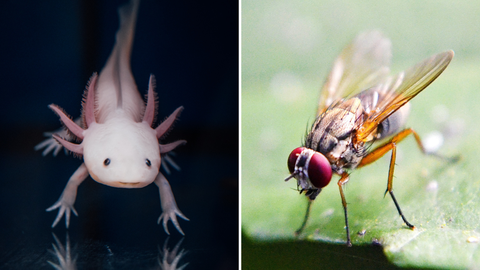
(119,152)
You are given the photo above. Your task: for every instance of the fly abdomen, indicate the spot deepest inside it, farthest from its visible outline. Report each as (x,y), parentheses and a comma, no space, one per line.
(393,123)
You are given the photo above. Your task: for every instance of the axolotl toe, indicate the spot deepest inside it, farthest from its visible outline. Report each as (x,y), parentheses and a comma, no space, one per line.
(119,146)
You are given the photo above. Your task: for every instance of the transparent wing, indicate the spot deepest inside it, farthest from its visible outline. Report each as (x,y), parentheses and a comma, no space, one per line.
(397,91)
(361,65)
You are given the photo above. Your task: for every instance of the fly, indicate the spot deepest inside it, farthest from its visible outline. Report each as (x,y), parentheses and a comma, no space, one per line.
(360,104)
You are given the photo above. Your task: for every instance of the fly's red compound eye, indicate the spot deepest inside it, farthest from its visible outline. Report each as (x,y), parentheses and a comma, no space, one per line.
(319,170)
(292,158)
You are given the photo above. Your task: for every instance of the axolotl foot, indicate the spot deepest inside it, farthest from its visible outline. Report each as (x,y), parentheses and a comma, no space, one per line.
(169,206)
(171,214)
(63,208)
(69,194)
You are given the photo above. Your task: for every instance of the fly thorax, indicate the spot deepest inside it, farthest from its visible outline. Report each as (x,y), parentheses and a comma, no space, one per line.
(332,134)
(334,125)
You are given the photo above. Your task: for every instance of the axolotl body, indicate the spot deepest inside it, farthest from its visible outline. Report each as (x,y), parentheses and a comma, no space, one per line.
(120,148)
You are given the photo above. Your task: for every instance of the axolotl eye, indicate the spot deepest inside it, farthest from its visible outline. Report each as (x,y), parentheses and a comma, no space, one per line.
(317,166)
(147,161)
(106,162)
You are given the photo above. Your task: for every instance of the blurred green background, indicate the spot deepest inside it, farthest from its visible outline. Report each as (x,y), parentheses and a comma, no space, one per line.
(287,49)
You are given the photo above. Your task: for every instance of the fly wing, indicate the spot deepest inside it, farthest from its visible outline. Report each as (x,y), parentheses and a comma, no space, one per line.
(361,65)
(397,91)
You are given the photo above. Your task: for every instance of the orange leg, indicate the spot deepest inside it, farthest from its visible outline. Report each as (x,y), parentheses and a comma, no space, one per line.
(382,150)
(343,180)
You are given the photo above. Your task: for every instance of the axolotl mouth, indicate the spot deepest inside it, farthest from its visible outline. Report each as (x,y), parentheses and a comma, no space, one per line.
(129,184)
(120,184)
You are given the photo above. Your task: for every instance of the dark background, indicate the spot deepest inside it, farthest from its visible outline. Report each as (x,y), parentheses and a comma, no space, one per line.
(48,51)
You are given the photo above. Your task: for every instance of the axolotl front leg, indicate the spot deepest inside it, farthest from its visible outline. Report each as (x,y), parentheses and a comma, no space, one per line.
(69,194)
(169,206)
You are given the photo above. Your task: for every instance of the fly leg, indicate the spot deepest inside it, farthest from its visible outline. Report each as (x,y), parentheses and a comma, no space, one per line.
(343,180)
(304,223)
(382,150)
(390,185)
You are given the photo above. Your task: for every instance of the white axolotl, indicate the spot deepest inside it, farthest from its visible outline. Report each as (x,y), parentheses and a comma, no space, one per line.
(118,144)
